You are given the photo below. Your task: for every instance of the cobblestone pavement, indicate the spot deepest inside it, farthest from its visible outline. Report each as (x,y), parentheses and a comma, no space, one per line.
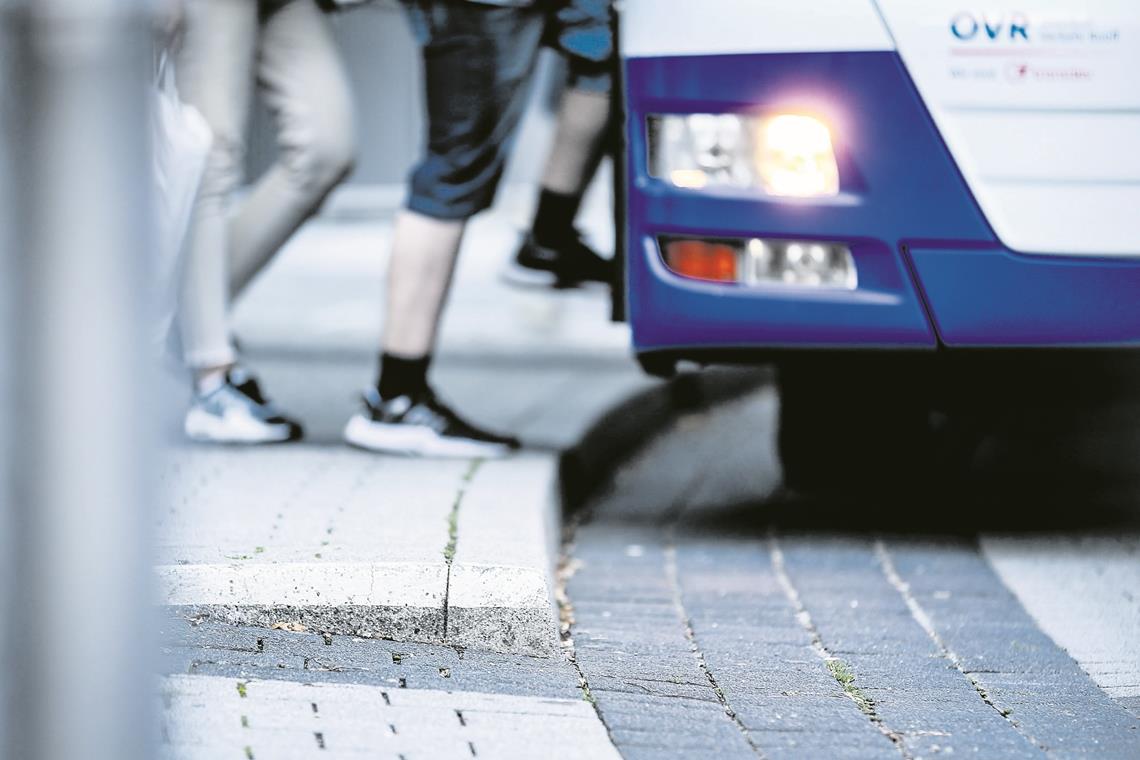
(704,616)
(702,622)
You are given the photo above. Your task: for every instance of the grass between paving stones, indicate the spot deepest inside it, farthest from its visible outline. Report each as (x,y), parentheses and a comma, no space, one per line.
(842,673)
(567,567)
(453,516)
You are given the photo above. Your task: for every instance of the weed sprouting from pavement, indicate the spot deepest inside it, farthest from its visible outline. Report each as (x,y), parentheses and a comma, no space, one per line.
(453,515)
(842,673)
(452,533)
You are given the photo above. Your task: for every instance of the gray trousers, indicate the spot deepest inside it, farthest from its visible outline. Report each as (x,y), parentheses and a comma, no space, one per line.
(285,49)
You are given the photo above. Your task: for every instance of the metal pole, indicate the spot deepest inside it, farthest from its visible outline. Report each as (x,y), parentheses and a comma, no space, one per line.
(77,649)
(7,405)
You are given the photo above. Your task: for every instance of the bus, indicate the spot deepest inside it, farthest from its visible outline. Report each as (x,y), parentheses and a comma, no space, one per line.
(892,200)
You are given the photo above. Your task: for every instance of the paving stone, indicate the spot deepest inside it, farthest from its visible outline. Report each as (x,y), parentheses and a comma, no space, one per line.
(772,687)
(856,610)
(677,696)
(646,713)
(1044,692)
(806,745)
(631,751)
(1084,592)
(708,735)
(211,648)
(1132,704)
(216,717)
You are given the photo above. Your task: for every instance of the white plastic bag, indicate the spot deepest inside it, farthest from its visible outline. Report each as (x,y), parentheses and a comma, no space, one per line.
(182,140)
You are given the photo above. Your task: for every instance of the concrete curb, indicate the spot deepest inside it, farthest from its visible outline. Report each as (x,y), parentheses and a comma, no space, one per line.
(501,582)
(485,581)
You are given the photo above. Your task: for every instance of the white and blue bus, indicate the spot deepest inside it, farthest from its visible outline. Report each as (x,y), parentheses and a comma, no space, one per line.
(886,178)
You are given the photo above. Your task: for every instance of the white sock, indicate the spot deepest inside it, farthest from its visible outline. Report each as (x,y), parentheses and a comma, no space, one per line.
(210,380)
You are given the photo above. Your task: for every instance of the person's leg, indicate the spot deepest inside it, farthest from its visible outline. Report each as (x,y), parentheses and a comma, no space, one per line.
(553,252)
(307,89)
(583,116)
(215,75)
(583,33)
(477,59)
(424,250)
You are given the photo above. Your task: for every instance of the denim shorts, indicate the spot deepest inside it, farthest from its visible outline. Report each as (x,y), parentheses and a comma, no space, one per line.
(582,31)
(478,59)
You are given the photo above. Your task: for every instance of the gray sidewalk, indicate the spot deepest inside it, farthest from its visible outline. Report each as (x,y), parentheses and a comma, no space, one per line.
(320,537)
(209,717)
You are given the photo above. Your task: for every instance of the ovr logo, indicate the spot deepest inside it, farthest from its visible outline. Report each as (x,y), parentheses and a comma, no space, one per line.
(968,26)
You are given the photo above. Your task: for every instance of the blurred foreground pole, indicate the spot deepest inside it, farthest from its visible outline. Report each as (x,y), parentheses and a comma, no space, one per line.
(75,634)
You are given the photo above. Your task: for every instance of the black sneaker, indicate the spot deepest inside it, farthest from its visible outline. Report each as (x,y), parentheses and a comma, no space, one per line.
(421,426)
(237,412)
(566,266)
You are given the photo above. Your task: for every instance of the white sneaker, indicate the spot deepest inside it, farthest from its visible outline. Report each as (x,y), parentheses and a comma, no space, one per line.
(421,426)
(237,412)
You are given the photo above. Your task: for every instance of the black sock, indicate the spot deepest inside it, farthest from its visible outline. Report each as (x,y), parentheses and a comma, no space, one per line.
(402,377)
(554,220)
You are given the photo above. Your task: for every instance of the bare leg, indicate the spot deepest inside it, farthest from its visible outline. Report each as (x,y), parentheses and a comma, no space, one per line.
(419,274)
(553,253)
(582,119)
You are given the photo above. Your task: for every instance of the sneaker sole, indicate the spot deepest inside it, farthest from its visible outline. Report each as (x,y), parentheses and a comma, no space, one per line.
(536,279)
(208,428)
(409,440)
(520,276)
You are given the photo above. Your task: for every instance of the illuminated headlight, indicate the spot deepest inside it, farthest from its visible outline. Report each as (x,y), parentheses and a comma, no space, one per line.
(758,261)
(782,154)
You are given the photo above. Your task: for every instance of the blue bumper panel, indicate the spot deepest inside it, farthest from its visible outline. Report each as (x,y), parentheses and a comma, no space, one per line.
(897,181)
(674,312)
(992,297)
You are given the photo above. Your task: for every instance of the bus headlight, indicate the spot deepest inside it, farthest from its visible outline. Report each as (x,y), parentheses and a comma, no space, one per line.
(794,156)
(781,154)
